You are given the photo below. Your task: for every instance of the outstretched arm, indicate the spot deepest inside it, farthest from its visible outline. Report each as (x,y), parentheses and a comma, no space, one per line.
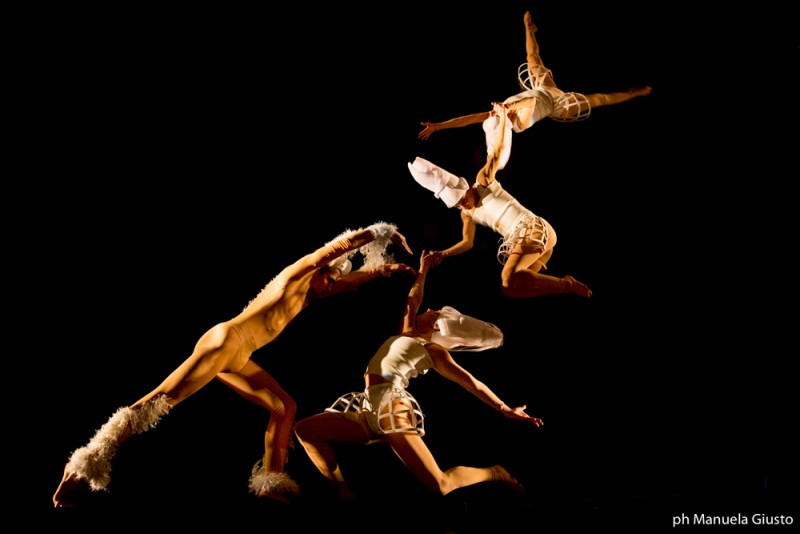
(457,122)
(376,236)
(597,100)
(355,279)
(448,368)
(467,240)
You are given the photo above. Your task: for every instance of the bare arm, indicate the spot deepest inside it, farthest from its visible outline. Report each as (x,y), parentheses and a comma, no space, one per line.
(345,244)
(355,279)
(415,294)
(457,122)
(597,100)
(466,243)
(488,172)
(448,368)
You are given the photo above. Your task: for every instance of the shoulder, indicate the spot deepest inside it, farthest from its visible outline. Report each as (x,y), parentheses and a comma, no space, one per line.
(436,351)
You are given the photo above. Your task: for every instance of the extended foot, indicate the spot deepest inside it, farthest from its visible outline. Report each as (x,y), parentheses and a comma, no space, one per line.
(67,492)
(499,474)
(578,288)
(529,22)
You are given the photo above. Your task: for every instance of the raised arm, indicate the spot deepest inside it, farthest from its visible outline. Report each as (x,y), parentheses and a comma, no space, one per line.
(488,172)
(450,369)
(457,122)
(416,293)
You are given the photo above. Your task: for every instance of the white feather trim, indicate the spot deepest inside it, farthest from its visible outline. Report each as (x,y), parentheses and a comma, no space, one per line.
(374,252)
(272,483)
(149,414)
(92,462)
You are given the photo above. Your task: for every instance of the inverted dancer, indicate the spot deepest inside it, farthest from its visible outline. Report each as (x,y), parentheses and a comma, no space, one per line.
(386,411)
(527,239)
(224,352)
(540,98)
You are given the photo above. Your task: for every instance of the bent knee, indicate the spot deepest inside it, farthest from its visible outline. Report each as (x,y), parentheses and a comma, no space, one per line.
(302,429)
(446,484)
(286,408)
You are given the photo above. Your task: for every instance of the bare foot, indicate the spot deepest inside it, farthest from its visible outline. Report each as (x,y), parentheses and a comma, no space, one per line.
(499,474)
(65,495)
(579,288)
(529,22)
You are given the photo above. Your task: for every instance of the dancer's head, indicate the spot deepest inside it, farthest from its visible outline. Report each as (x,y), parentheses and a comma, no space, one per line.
(458,332)
(461,333)
(470,199)
(343,264)
(426,322)
(323,280)
(444,185)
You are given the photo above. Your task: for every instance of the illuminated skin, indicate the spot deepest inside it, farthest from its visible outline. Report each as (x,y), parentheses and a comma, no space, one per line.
(521,276)
(319,432)
(521,107)
(224,351)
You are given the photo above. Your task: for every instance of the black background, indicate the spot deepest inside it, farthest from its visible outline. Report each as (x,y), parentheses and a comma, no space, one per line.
(174,160)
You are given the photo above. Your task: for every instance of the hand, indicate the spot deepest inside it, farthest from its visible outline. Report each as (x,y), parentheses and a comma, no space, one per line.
(499,108)
(426,261)
(427,131)
(399,239)
(437,257)
(519,413)
(391,268)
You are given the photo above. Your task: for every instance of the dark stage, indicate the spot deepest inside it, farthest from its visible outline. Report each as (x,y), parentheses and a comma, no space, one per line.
(180,159)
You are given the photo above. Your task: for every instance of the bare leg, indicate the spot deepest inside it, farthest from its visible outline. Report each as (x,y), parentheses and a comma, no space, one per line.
(531,45)
(268,478)
(527,283)
(413,452)
(521,277)
(256,385)
(316,433)
(597,100)
(90,466)
(537,75)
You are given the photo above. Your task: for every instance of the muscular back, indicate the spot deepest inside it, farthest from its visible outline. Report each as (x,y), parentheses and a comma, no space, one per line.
(281,300)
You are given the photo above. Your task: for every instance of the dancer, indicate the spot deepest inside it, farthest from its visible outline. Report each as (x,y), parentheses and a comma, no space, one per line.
(224,352)
(527,239)
(385,410)
(540,98)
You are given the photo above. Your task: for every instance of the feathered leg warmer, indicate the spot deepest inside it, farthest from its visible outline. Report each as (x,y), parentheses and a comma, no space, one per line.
(92,462)
(272,484)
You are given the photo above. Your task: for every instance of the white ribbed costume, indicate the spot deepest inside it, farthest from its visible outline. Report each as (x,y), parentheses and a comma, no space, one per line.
(388,407)
(497,209)
(550,102)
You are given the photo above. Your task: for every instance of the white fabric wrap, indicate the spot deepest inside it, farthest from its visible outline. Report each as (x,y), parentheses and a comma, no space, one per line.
(462,333)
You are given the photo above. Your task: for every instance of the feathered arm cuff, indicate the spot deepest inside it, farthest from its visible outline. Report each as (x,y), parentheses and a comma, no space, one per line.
(374,252)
